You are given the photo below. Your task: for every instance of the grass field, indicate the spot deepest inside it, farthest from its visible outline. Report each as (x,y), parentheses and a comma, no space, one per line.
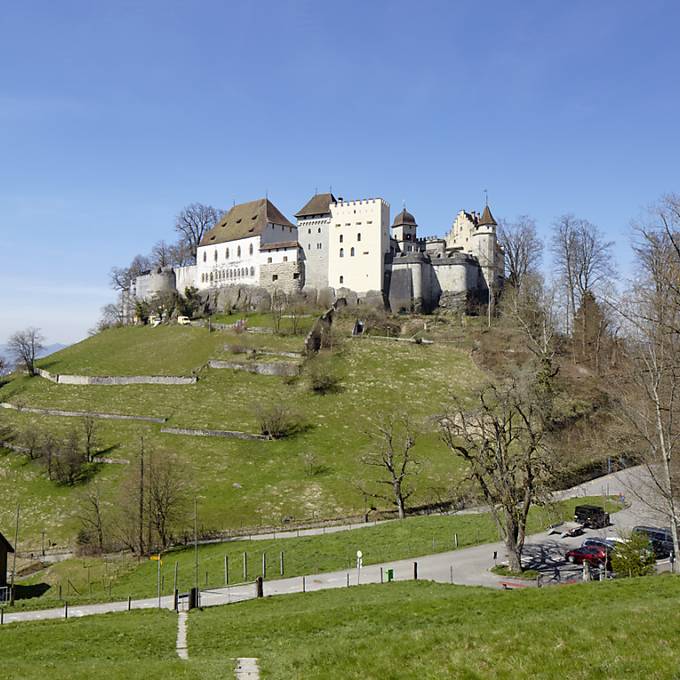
(116,578)
(626,629)
(396,631)
(240,483)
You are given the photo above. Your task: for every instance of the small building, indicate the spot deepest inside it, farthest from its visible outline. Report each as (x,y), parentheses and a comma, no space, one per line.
(5,549)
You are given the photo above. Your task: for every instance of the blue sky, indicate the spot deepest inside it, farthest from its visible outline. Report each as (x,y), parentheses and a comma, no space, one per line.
(113,116)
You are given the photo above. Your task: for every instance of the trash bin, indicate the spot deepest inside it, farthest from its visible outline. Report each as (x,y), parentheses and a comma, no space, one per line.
(390,575)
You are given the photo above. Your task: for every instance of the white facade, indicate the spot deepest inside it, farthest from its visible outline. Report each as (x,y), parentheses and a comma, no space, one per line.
(358,242)
(313,234)
(233,262)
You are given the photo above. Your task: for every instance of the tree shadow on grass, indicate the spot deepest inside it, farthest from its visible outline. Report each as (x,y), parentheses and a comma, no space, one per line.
(27,592)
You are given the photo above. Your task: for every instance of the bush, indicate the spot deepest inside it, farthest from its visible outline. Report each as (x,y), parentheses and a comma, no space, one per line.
(634,557)
(277,421)
(324,377)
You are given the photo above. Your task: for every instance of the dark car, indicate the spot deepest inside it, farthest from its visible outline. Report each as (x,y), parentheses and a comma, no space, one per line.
(591,516)
(660,540)
(604,543)
(594,555)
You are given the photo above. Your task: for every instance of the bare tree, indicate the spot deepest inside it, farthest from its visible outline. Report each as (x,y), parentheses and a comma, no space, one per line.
(90,431)
(67,464)
(502,443)
(30,440)
(194,221)
(392,453)
(278,307)
(583,261)
(167,495)
(123,277)
(161,255)
(92,516)
(523,249)
(25,346)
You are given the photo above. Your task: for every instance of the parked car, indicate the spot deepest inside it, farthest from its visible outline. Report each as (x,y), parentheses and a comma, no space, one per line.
(183,320)
(608,544)
(594,555)
(660,540)
(591,516)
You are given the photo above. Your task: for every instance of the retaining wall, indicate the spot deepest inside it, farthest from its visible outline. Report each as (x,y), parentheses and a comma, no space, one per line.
(280,368)
(117,380)
(227,434)
(74,414)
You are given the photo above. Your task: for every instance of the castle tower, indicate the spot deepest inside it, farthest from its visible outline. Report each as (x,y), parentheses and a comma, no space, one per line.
(404,230)
(486,249)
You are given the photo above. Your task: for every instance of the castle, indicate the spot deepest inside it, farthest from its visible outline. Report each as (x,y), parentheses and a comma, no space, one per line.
(347,248)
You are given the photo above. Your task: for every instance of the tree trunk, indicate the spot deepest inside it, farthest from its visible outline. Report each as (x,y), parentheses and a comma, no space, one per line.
(399,499)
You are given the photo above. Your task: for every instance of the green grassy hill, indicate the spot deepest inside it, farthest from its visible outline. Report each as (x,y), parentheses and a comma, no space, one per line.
(238,483)
(626,629)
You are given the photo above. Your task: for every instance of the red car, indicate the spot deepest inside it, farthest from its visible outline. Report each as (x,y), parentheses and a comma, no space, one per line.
(594,555)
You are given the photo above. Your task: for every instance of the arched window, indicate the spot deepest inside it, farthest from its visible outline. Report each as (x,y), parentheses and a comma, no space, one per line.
(359,236)
(351,252)
(244,271)
(211,277)
(340,238)
(238,252)
(342,252)
(205,256)
(252,271)
(226,254)
(251,249)
(215,255)
(342,279)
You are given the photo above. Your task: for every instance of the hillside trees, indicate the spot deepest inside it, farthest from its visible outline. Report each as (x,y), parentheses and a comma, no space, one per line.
(502,440)
(393,438)
(523,249)
(24,346)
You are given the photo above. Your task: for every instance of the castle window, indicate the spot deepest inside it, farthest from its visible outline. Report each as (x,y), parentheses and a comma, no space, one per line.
(205,256)
(309,246)
(351,252)
(285,258)
(252,271)
(342,279)
(238,252)
(215,256)
(342,252)
(251,248)
(319,230)
(269,260)
(275,277)
(226,255)
(309,231)
(296,275)
(211,277)
(341,239)
(359,236)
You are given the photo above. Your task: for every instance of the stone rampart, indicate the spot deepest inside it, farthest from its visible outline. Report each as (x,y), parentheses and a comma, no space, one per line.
(117,379)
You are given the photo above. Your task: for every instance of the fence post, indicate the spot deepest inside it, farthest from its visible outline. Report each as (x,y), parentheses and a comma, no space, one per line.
(226,570)
(65,610)
(264,565)
(175,605)
(281,562)
(129,602)
(304,588)
(451,569)
(245,566)
(348,579)
(455,540)
(381,574)
(259,586)
(415,571)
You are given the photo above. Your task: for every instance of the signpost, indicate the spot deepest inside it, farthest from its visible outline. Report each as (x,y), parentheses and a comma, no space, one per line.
(157,558)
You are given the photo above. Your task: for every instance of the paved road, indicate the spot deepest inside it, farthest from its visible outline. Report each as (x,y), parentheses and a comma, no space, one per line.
(467,566)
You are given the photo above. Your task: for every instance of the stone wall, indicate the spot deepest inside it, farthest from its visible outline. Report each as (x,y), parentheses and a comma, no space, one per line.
(79,414)
(117,380)
(280,368)
(285,276)
(228,434)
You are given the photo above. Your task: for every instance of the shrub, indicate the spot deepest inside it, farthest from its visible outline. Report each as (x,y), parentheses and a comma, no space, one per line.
(324,377)
(634,557)
(277,421)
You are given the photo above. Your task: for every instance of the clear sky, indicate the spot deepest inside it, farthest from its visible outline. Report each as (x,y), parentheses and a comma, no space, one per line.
(115,115)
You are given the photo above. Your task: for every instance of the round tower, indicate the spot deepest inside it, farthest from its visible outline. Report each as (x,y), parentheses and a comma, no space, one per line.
(485,247)
(404,230)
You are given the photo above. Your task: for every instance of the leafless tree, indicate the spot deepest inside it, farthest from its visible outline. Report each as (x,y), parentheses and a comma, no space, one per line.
(167,495)
(25,346)
(502,442)
(92,515)
(90,431)
(650,387)
(393,439)
(67,464)
(194,221)
(161,255)
(583,261)
(278,307)
(30,440)
(523,249)
(123,277)
(48,453)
